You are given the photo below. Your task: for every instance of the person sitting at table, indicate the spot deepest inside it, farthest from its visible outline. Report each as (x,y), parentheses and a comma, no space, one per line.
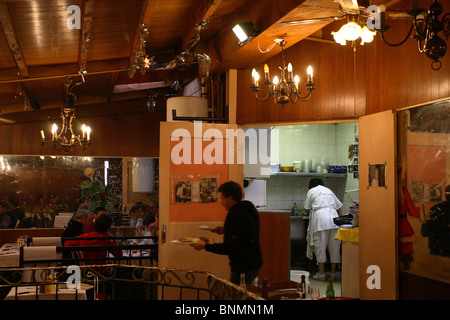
(8,218)
(99,237)
(101,226)
(77,225)
(137,214)
(95,214)
(149,227)
(14,205)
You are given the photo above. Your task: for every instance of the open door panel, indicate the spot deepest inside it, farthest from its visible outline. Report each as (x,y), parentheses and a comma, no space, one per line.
(193,159)
(378,206)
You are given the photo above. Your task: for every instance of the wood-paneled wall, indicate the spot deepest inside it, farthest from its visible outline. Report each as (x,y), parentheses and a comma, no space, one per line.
(123,135)
(349,84)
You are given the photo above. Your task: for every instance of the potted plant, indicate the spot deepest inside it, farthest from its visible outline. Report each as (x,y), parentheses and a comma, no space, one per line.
(99,196)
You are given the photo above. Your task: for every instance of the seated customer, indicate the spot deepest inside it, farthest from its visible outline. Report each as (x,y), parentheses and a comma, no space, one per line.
(8,218)
(149,227)
(95,214)
(76,226)
(102,225)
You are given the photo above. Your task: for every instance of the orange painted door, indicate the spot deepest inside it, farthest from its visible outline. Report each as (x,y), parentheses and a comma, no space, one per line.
(193,163)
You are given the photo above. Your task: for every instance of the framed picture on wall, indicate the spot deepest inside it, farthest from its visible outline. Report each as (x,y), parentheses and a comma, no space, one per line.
(377,176)
(182,191)
(208,189)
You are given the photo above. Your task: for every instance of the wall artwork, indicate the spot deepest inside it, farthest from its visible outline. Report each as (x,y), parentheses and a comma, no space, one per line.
(201,183)
(194,188)
(182,191)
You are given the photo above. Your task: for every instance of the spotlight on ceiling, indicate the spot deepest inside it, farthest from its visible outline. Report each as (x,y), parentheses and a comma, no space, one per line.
(245,32)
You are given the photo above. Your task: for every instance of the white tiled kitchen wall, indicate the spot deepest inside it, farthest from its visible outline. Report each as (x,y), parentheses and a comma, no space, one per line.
(316,142)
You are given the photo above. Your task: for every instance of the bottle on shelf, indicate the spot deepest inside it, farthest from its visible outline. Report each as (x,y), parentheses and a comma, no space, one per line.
(330,289)
(242,283)
(50,287)
(303,287)
(294,211)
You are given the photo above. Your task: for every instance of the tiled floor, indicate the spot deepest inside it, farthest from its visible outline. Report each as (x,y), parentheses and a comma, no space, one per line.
(322,285)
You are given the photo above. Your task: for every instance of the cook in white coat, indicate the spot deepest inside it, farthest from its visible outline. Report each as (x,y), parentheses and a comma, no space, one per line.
(323,206)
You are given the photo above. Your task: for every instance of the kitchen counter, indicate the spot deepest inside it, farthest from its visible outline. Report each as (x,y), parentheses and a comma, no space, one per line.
(299,217)
(273,210)
(283,211)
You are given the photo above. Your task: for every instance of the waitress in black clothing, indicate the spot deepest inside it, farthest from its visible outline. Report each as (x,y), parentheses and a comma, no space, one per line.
(241,234)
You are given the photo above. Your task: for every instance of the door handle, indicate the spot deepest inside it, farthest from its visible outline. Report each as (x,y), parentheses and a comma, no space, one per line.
(163,234)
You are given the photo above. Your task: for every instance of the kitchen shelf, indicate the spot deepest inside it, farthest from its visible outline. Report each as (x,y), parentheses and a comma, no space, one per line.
(305,174)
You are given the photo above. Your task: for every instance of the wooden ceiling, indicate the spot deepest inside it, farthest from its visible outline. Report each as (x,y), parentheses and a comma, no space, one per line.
(38,49)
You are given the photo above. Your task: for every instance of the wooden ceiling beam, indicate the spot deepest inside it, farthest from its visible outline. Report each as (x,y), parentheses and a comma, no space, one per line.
(29,100)
(65,70)
(225,51)
(204,11)
(112,84)
(94,106)
(11,37)
(147,7)
(85,33)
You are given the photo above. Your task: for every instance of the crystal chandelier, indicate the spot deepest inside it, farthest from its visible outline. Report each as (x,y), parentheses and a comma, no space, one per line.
(282,90)
(66,137)
(140,57)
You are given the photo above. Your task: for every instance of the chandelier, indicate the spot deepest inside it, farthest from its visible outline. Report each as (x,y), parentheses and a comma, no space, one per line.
(282,90)
(140,57)
(427,26)
(66,137)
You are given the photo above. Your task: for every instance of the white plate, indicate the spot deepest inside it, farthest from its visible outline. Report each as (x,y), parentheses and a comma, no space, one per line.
(194,240)
(206,228)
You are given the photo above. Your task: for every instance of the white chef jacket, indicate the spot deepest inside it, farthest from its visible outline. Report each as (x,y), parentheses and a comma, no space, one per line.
(323,205)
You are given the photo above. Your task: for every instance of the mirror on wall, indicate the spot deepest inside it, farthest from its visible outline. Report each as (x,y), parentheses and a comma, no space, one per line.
(45,186)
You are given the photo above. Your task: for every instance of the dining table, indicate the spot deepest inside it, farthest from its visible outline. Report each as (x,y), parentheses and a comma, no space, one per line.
(34,293)
(9,255)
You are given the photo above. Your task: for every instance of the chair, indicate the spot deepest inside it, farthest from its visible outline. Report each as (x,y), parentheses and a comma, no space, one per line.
(46,241)
(37,257)
(254,289)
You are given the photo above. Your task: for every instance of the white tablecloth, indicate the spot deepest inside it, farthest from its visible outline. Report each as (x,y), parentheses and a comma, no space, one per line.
(29,293)
(9,256)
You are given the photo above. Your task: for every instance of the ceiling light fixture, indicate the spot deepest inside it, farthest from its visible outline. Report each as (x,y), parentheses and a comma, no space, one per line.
(66,137)
(245,32)
(427,26)
(352,31)
(282,90)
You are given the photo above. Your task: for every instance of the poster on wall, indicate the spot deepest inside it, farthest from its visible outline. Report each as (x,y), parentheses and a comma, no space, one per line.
(208,189)
(182,191)
(194,188)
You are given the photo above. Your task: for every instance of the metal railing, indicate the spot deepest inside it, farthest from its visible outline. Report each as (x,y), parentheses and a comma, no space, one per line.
(123,282)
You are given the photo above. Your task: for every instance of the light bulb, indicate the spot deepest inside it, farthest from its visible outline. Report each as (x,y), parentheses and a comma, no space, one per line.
(367,35)
(339,38)
(351,31)
(240,33)
(296,81)
(254,75)
(275,80)
(309,71)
